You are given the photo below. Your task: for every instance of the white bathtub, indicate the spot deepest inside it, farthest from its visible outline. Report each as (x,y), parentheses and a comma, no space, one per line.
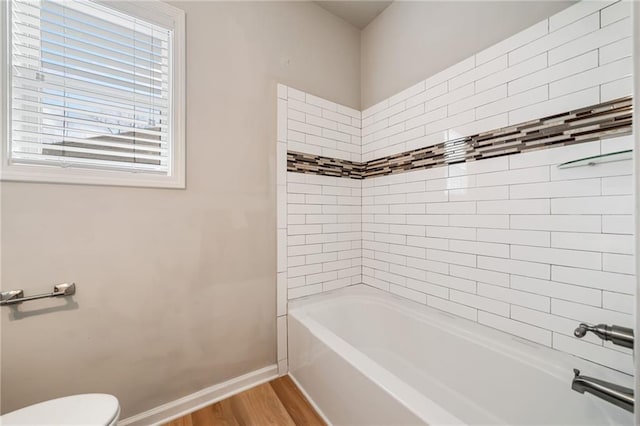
(365,357)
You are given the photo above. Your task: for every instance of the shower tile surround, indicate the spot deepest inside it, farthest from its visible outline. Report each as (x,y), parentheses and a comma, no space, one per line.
(583,125)
(422,197)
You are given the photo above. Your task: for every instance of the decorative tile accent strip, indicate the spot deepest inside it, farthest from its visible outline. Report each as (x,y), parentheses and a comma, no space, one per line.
(613,118)
(316,164)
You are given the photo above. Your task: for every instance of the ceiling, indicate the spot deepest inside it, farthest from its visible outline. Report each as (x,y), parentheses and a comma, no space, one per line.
(358,13)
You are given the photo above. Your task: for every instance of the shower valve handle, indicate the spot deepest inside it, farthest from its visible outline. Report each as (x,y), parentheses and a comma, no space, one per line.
(621,336)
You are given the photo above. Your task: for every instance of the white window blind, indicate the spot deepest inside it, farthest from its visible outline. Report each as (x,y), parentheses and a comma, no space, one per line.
(90,88)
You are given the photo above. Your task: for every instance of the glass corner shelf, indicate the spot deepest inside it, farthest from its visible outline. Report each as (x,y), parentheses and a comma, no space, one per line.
(598,159)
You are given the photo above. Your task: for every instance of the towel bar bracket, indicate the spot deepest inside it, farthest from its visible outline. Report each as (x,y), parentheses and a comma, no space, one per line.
(13,297)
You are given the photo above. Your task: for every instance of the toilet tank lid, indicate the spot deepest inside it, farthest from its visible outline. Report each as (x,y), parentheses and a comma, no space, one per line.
(91,409)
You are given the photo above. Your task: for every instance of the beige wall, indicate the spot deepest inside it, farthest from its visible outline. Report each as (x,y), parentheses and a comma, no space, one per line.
(176,288)
(413,40)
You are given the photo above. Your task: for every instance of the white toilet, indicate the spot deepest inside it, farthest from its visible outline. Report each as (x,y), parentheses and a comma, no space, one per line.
(92,409)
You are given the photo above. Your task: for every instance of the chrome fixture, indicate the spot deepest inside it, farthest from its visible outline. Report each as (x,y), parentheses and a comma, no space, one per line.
(13,297)
(610,392)
(620,336)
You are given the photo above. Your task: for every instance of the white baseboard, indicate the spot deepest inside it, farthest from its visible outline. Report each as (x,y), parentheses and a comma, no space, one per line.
(185,405)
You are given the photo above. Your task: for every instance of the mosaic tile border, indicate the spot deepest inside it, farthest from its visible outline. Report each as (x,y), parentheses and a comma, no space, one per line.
(316,164)
(607,119)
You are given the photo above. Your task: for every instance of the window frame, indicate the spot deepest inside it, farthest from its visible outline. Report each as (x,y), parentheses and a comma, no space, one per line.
(155,12)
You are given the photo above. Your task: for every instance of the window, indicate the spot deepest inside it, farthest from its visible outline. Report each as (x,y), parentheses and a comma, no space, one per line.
(94,93)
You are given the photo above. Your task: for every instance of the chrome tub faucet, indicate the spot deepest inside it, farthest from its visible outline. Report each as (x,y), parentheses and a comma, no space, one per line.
(615,394)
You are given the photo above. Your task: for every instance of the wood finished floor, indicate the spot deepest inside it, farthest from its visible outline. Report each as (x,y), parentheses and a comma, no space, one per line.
(278,402)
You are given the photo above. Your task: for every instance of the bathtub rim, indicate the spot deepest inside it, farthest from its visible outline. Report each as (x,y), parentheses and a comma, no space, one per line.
(411,399)
(548,360)
(464,327)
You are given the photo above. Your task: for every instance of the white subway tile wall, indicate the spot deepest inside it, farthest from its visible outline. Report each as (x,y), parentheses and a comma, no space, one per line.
(578,57)
(320,216)
(324,235)
(321,127)
(513,242)
(529,253)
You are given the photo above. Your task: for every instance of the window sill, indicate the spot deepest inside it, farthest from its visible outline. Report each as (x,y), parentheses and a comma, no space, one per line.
(77,176)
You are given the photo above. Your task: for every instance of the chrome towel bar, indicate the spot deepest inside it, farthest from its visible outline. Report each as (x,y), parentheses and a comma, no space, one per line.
(12,297)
